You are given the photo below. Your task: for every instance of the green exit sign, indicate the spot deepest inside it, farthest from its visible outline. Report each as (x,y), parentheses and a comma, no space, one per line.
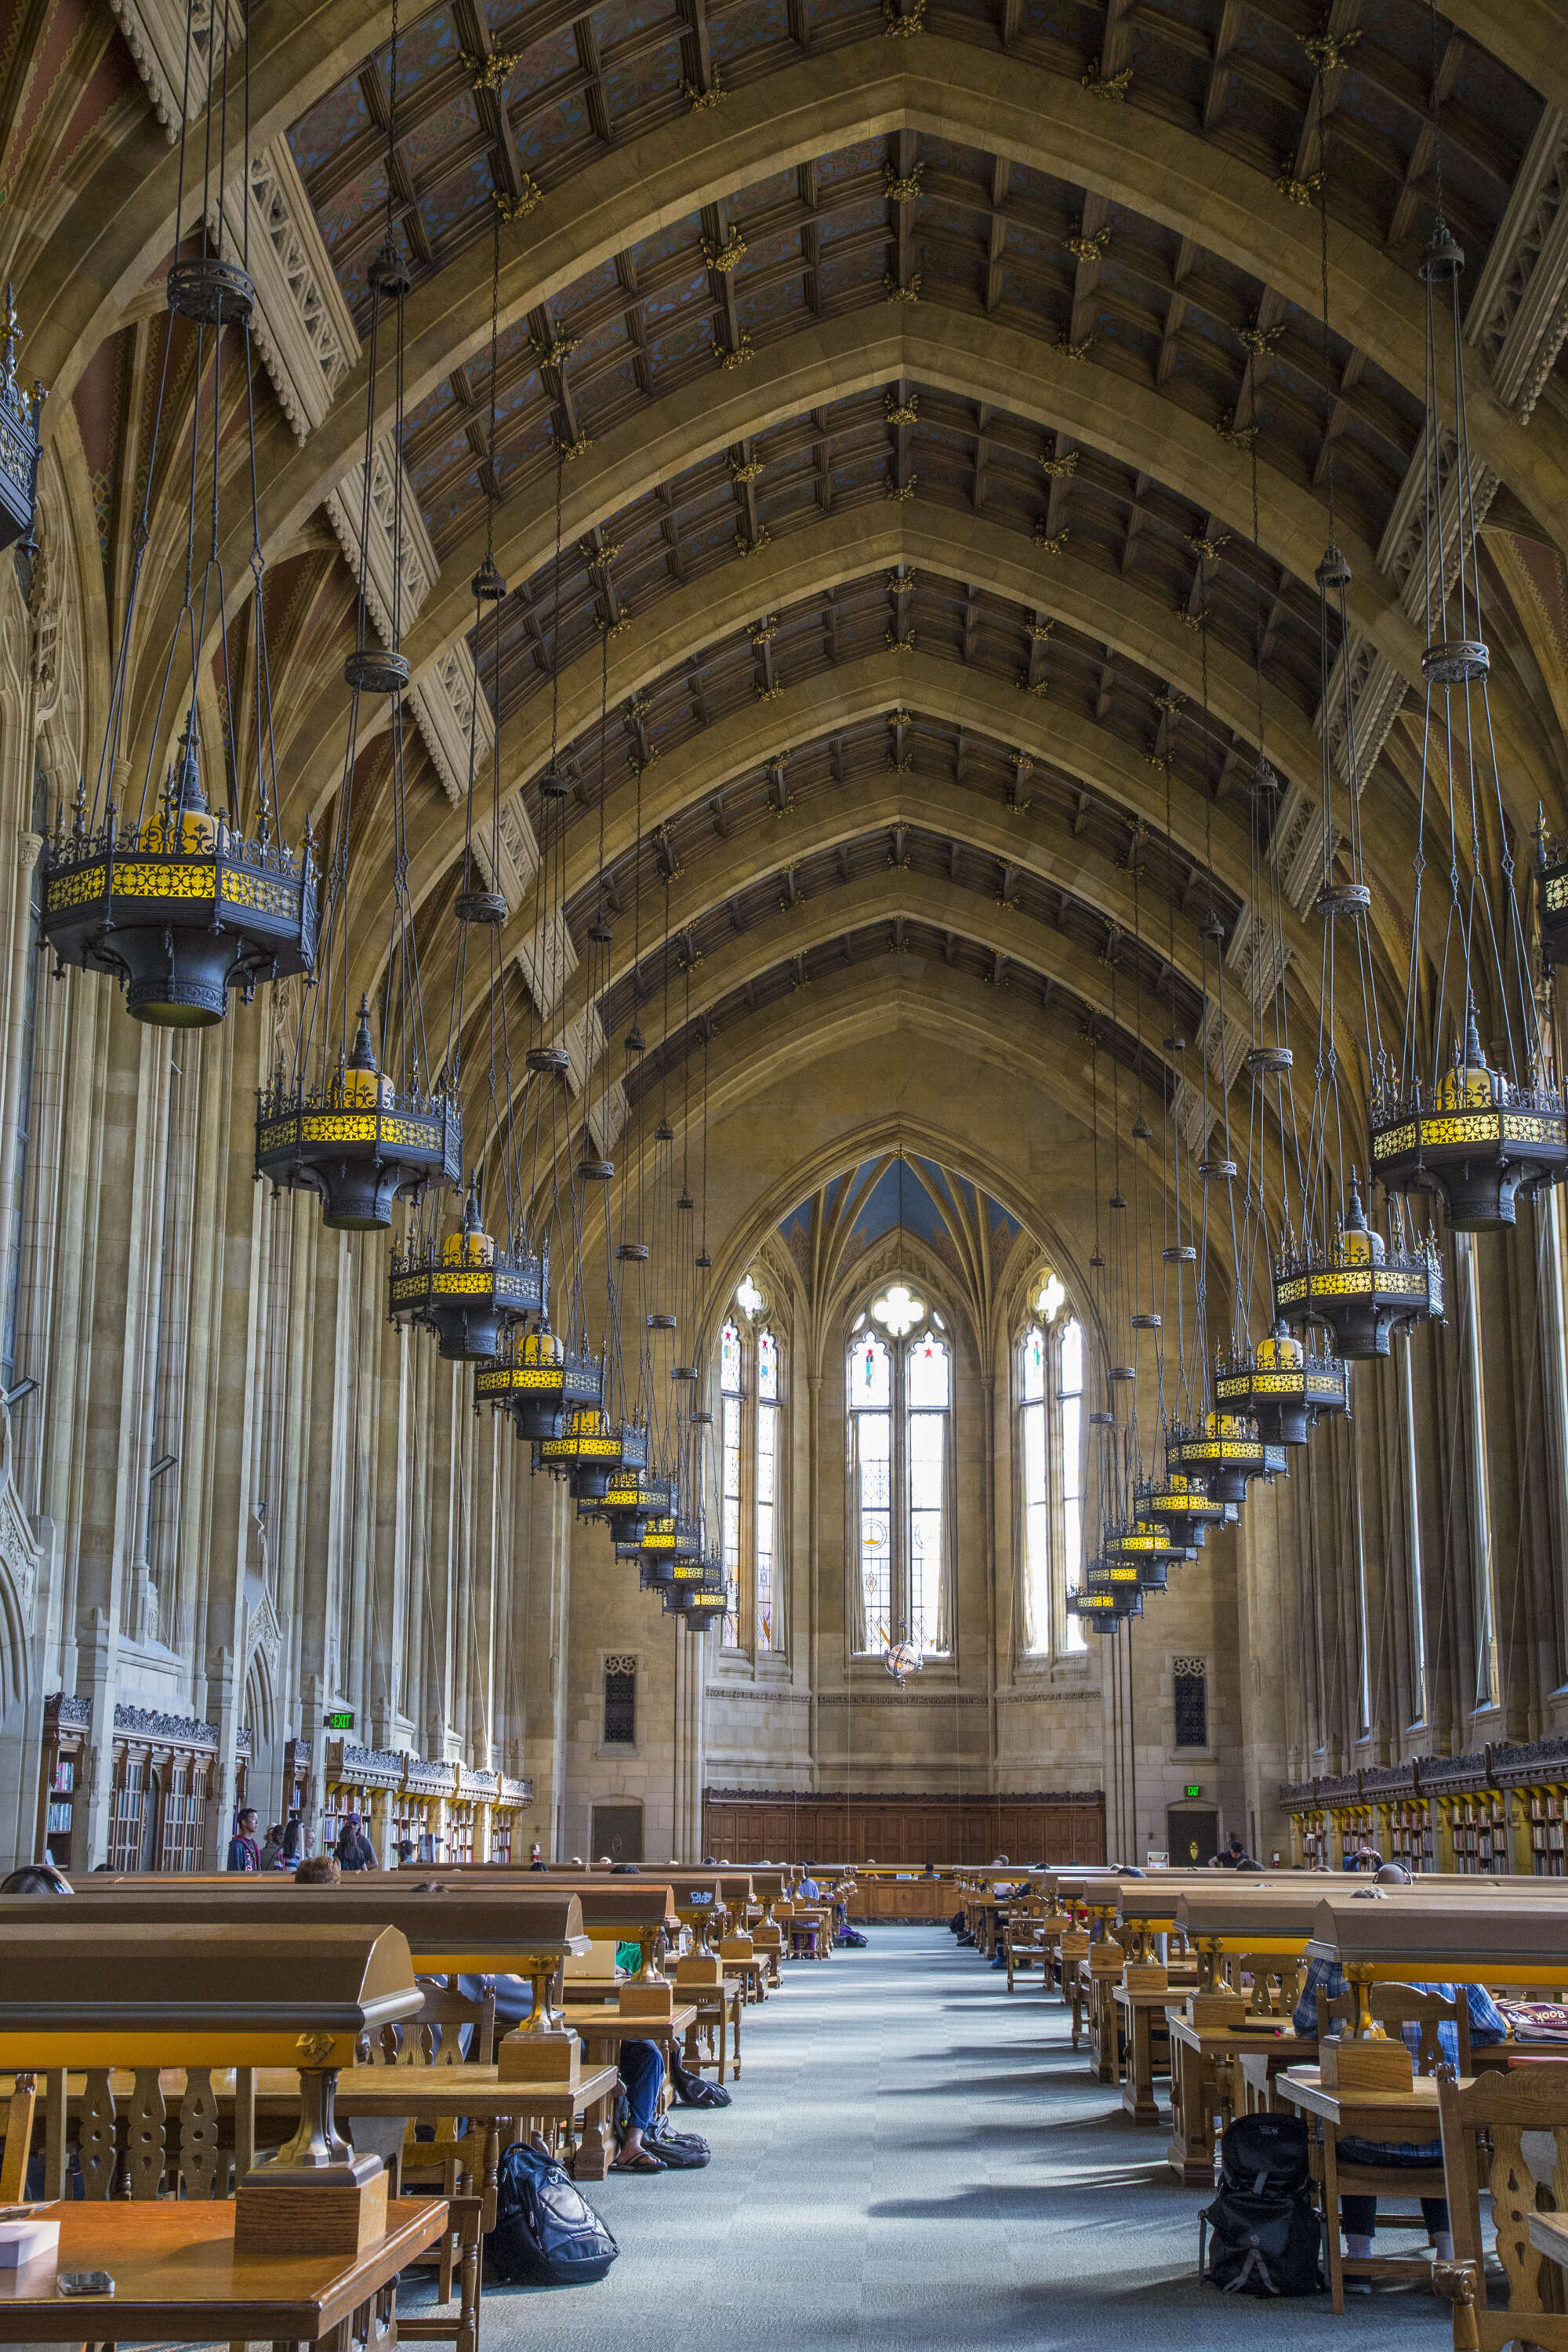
(1192,1789)
(343,1720)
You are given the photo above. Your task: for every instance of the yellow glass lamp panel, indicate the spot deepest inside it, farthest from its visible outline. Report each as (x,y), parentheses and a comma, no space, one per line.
(367,1090)
(467,1249)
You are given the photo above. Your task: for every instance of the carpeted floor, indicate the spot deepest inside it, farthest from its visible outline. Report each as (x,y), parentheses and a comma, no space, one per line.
(912,2158)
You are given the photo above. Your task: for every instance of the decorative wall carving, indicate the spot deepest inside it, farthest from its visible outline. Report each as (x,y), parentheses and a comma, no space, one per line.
(177,1730)
(412,555)
(302,325)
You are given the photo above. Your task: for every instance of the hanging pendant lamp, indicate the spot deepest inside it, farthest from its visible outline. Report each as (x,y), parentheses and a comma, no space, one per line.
(1360,1290)
(472,1293)
(1477,1128)
(1282,1385)
(1183,1507)
(358,1142)
(539,1383)
(631,1497)
(1550,894)
(373,1130)
(178,901)
(1226,1452)
(1146,1538)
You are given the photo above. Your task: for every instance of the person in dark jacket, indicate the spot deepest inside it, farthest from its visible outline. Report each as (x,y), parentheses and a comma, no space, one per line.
(244,1853)
(354,1850)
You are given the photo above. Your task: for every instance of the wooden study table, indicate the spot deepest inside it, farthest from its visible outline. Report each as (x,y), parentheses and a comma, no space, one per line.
(604,2029)
(1208,2069)
(1406,2119)
(716,2015)
(175,2275)
(1549,2235)
(425,2095)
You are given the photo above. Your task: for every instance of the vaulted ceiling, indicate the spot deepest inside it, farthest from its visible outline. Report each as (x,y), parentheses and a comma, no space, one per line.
(914,440)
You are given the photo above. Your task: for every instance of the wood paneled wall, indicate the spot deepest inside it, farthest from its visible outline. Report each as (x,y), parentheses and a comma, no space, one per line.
(773,1825)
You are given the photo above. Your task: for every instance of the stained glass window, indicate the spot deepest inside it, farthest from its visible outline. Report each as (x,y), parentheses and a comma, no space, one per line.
(767,1481)
(899,1404)
(729,1504)
(751,1402)
(870,1376)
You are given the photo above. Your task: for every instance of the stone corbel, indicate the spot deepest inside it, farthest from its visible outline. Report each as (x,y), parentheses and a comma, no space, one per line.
(379,568)
(455,719)
(547,960)
(1376,688)
(1518,315)
(303,328)
(156,33)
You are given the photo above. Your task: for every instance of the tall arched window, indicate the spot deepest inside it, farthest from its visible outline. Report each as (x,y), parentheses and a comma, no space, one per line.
(872,1431)
(750,1409)
(767,1482)
(1069,1387)
(730,1476)
(900,1392)
(1035,1481)
(1050,1450)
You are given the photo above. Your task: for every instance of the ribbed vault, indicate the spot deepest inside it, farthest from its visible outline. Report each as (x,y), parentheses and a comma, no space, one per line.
(952,443)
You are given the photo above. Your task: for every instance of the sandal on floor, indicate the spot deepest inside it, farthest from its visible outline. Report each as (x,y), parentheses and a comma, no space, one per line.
(644,2160)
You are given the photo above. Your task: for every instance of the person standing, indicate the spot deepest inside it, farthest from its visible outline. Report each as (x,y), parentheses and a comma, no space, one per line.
(354,1849)
(244,1853)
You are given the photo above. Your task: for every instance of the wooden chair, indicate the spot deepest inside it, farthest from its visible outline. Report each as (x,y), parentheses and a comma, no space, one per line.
(1393,2006)
(1484,2126)
(18,2139)
(1273,1983)
(445,2165)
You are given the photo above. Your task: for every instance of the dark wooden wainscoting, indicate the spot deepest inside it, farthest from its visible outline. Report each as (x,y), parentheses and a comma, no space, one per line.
(744,1826)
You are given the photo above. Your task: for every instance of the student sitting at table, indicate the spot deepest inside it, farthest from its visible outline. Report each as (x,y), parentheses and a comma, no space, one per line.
(36,1878)
(1359,2214)
(320,1870)
(641,2067)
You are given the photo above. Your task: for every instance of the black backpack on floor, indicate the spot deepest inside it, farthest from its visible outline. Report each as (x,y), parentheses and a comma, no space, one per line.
(1260,2236)
(546,2232)
(693,2092)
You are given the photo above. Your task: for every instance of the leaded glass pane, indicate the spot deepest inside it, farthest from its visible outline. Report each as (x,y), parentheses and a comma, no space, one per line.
(926,1374)
(870,1376)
